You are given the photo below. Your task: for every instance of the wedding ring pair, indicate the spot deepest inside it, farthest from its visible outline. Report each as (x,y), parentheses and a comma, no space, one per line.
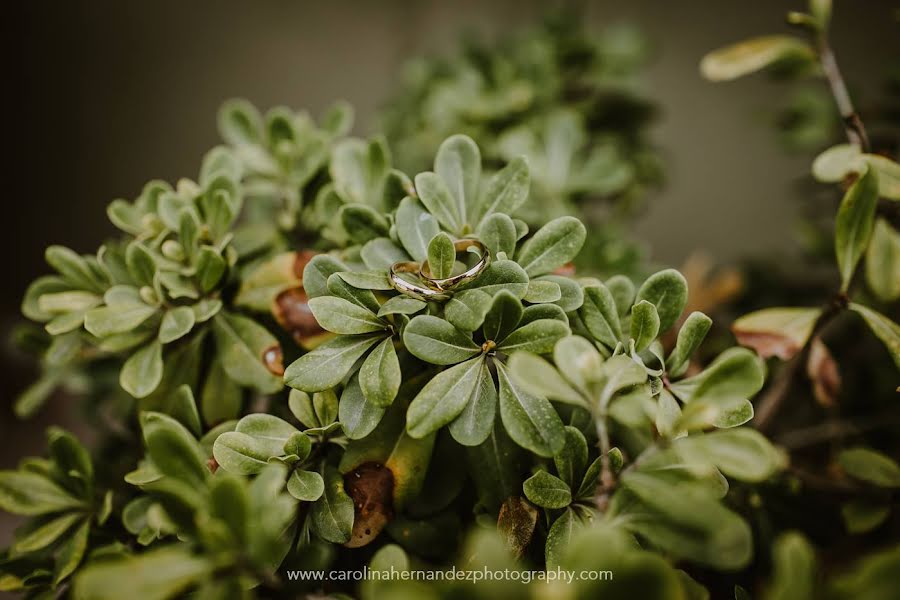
(435,289)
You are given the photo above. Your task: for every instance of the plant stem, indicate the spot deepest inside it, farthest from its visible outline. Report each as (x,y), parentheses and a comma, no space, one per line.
(825,432)
(772,401)
(856,131)
(607,481)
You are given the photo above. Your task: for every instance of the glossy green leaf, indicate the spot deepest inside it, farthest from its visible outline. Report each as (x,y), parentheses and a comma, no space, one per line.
(530,420)
(886,330)
(143,371)
(668,291)
(853,224)
(458,163)
(176,323)
(436,197)
(306,486)
(737,372)
(331,516)
(644,324)
(547,491)
(441,256)
(598,312)
(443,398)
(538,337)
(794,569)
(379,375)
(415,228)
(342,316)
(506,190)
(539,377)
(328,364)
(690,336)
(243,344)
(552,246)
(883,262)
(357,415)
(752,55)
(474,424)
(466,310)
(438,342)
(870,466)
(498,233)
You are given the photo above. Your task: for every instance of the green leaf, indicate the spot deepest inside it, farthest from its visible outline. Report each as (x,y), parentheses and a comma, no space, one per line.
(173,449)
(752,55)
(883,262)
(436,197)
(363,223)
(441,256)
(542,292)
(530,420)
(331,516)
(836,163)
(559,537)
(617,374)
(476,421)
(31,494)
(870,466)
(502,317)
(176,323)
(853,224)
(547,491)
(415,228)
(502,275)
(737,372)
(599,314)
(458,163)
(506,190)
(273,431)
(363,298)
(623,292)
(366,280)
(540,378)
(498,233)
(74,268)
(466,310)
(240,123)
(357,415)
(221,397)
(46,534)
(554,244)
(686,522)
(644,324)
(110,320)
(141,264)
(571,294)
(888,172)
(886,330)
(381,253)
(668,291)
(571,461)
(154,575)
(243,344)
(210,268)
(341,316)
(438,342)
(306,486)
(328,364)
(741,453)
(579,360)
(538,337)
(316,274)
(379,376)
(863,515)
(71,552)
(241,453)
(401,305)
(690,336)
(794,565)
(443,398)
(70,455)
(143,370)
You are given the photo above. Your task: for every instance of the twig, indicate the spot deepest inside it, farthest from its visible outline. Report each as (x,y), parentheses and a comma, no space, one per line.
(825,432)
(772,401)
(856,131)
(606,481)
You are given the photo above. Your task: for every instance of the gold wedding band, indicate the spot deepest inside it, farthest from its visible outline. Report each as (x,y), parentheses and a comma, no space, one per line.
(411,289)
(466,276)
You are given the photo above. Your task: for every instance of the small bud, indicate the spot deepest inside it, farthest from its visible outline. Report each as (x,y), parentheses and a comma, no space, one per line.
(149,295)
(173,250)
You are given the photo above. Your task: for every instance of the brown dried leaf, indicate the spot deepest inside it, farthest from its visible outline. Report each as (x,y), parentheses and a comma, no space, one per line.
(823,372)
(516,523)
(780,332)
(371,486)
(291,310)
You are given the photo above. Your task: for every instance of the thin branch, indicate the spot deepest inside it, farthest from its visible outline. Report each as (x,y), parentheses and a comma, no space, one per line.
(771,402)
(856,131)
(606,481)
(826,432)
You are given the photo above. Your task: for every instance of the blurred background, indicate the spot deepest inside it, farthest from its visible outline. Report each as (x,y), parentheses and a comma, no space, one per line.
(107,95)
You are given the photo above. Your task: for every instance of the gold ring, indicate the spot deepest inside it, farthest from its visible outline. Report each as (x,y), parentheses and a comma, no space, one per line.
(464,277)
(410,289)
